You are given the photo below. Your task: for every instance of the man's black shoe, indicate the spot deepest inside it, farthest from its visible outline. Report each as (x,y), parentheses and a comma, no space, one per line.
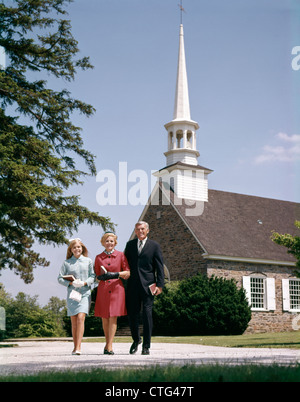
(134,347)
(145,351)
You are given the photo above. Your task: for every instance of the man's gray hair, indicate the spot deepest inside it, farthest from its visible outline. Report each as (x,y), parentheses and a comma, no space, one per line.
(142,223)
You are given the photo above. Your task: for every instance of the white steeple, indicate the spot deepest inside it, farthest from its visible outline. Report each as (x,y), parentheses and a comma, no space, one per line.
(182,103)
(182,130)
(182,173)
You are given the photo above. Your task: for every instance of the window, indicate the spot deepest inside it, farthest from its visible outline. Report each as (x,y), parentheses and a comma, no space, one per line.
(189,139)
(257,291)
(260,292)
(171,145)
(179,137)
(291,294)
(294,295)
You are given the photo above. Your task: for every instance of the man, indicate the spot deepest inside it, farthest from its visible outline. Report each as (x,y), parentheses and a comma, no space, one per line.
(146,268)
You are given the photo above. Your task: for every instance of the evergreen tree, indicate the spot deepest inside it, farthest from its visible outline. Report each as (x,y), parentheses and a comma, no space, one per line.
(38,142)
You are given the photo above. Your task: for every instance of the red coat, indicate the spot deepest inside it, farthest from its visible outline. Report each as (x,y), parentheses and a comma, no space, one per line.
(110,301)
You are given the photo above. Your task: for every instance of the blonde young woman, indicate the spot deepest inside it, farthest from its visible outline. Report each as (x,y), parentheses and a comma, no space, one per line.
(110,301)
(79,291)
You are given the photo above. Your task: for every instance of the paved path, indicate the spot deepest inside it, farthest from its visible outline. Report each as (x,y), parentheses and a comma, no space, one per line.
(33,356)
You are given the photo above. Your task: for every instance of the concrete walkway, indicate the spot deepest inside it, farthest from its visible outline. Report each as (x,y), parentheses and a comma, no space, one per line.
(32,356)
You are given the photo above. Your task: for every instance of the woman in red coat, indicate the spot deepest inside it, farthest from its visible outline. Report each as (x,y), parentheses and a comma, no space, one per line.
(110,301)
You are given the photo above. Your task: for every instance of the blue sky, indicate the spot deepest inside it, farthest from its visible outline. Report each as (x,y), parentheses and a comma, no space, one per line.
(243,91)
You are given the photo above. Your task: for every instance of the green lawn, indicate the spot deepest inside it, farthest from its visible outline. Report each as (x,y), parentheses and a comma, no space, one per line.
(172,374)
(266,340)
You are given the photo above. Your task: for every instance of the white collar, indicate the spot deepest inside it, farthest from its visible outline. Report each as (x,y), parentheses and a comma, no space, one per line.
(143,241)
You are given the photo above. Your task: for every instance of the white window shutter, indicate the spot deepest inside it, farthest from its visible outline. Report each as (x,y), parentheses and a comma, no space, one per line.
(285,294)
(246,286)
(271,297)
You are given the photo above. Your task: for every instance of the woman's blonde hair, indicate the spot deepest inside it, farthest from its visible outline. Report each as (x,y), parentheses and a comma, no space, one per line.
(106,235)
(72,242)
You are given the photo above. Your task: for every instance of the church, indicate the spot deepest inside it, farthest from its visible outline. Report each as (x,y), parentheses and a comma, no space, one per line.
(221,233)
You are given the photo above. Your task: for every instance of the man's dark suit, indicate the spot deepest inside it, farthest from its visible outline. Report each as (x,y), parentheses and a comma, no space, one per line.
(145,269)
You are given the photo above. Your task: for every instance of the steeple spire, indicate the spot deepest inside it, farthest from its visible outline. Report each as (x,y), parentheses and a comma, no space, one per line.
(182,130)
(182,103)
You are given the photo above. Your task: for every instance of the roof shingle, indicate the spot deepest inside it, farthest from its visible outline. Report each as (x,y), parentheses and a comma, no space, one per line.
(237,225)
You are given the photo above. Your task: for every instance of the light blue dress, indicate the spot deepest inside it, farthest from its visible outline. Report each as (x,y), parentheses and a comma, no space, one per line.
(81,268)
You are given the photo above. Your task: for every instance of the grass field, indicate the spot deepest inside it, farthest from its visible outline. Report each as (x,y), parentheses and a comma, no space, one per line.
(174,374)
(266,340)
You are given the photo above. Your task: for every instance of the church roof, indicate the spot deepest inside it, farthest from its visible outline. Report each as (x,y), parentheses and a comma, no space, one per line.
(182,165)
(240,226)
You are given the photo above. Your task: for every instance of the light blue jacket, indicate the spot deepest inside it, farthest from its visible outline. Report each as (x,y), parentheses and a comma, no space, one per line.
(81,268)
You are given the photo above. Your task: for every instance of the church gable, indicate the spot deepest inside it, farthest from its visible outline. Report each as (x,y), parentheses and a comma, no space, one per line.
(182,252)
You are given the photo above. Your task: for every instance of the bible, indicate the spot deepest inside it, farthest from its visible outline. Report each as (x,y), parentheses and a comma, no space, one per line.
(70,278)
(152,288)
(105,275)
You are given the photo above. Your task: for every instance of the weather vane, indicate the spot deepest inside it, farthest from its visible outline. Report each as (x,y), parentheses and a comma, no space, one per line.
(181,10)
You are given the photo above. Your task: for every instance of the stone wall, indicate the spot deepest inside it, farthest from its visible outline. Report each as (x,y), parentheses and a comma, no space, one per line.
(261,321)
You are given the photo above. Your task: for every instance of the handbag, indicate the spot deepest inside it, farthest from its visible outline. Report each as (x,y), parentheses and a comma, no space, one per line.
(74,295)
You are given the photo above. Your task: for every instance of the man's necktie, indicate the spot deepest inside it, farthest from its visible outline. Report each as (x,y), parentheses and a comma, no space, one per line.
(140,246)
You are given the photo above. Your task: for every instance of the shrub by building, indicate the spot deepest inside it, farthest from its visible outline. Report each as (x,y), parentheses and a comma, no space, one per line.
(201,305)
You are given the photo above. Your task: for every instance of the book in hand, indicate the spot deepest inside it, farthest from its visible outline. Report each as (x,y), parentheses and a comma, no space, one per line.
(152,288)
(103,271)
(70,278)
